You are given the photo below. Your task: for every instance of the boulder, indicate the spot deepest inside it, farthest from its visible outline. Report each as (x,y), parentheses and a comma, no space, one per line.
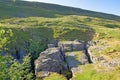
(51,60)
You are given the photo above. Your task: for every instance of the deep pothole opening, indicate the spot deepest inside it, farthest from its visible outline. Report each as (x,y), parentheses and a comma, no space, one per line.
(58,54)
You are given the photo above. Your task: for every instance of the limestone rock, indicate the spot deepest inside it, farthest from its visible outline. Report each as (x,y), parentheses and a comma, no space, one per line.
(51,60)
(93,47)
(114,63)
(75,59)
(70,45)
(111,64)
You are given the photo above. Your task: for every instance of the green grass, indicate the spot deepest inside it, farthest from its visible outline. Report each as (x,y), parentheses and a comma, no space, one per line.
(113,51)
(90,73)
(55,76)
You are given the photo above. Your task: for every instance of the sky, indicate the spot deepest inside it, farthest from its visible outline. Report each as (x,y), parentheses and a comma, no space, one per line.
(106,6)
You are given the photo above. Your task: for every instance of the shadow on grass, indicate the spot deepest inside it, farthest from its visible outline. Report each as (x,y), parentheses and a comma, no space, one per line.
(81,34)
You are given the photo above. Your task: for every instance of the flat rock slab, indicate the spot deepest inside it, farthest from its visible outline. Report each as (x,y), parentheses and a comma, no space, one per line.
(71,45)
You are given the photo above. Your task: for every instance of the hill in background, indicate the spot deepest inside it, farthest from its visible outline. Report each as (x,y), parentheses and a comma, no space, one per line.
(18,8)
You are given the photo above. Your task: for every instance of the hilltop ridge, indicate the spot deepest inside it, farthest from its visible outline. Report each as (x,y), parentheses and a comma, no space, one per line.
(19,8)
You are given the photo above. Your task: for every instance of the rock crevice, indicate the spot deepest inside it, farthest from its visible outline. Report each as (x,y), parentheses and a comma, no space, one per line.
(63,57)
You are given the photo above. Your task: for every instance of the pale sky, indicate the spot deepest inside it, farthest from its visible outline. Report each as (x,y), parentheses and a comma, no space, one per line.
(106,6)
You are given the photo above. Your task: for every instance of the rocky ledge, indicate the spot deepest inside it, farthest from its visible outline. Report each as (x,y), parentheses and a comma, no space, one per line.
(94,50)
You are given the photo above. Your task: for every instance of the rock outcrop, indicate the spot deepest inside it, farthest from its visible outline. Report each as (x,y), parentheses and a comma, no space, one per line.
(93,47)
(51,60)
(66,58)
(57,59)
(110,64)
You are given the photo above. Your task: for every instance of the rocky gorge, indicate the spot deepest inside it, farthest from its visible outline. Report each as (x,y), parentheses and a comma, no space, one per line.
(56,59)
(66,57)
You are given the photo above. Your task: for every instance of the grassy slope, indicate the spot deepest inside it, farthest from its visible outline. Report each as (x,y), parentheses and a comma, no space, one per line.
(38,31)
(64,28)
(8,8)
